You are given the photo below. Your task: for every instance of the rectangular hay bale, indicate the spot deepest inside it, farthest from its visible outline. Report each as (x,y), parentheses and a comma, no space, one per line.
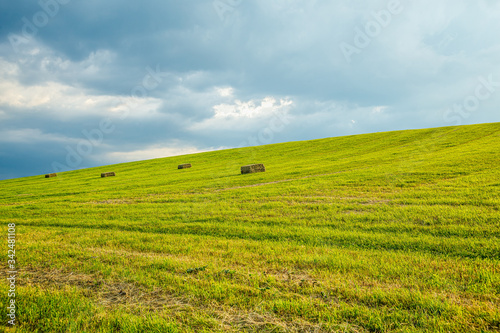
(107,174)
(184,166)
(253,168)
(51,175)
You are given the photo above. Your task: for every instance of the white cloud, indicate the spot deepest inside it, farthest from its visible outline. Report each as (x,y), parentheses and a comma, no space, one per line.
(250,109)
(173,148)
(378,109)
(64,102)
(225,92)
(8,69)
(243,115)
(30,135)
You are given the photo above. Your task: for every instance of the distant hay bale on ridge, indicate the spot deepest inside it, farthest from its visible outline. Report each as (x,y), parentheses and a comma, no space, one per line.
(253,168)
(184,166)
(51,175)
(107,174)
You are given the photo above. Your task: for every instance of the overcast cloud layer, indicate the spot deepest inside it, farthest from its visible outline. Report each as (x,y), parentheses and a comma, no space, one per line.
(88,83)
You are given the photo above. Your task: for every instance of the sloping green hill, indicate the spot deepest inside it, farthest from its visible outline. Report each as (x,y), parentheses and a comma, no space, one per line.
(386,232)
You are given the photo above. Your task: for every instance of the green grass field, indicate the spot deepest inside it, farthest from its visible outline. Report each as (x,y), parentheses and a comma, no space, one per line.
(386,232)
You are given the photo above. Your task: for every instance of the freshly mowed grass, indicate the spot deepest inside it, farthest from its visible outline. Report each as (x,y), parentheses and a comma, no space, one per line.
(387,232)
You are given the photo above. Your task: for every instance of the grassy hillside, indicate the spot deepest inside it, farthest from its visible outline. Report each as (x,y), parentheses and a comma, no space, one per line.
(386,232)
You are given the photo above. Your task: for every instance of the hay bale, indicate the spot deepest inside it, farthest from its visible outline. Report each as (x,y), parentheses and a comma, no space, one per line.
(184,166)
(107,174)
(253,168)
(51,175)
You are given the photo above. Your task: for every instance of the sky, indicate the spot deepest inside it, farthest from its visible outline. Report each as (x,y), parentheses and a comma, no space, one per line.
(90,83)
